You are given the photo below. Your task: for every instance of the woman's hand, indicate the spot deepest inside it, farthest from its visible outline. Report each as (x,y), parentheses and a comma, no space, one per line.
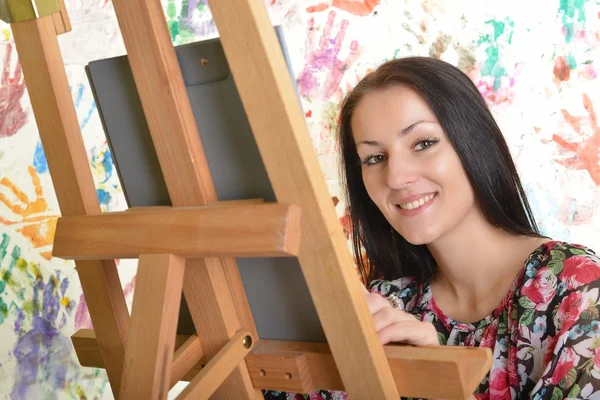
(394,325)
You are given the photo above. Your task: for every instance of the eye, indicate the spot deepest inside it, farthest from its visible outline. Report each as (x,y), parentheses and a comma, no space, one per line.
(425,144)
(373,159)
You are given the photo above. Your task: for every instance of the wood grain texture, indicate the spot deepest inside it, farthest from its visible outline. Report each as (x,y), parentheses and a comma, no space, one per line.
(185,358)
(62,22)
(172,125)
(219,367)
(151,341)
(457,370)
(285,371)
(54,111)
(243,230)
(278,124)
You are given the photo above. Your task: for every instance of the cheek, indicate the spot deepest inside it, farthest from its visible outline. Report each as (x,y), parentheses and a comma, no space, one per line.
(454,181)
(374,185)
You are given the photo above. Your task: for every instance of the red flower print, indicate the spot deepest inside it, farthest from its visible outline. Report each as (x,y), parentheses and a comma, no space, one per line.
(499,387)
(488,338)
(541,289)
(568,312)
(578,271)
(568,359)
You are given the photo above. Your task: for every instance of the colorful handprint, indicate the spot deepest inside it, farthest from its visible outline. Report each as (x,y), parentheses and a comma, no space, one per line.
(33,219)
(12,88)
(584,154)
(323,70)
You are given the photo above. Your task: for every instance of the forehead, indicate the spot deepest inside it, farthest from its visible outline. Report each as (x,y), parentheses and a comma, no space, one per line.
(389,110)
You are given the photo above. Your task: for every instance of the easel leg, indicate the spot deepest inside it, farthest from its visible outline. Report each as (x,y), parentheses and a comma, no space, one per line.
(207,292)
(150,345)
(56,118)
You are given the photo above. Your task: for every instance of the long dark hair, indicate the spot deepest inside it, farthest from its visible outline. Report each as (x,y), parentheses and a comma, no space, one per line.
(380,251)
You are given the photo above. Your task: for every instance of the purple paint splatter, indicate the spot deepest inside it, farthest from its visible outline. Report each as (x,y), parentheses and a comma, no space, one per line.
(323,69)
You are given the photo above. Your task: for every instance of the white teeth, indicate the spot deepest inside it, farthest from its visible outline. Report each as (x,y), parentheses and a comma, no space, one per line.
(417,203)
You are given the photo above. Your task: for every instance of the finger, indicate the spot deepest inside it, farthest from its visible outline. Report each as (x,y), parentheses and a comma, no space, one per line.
(415,333)
(377,302)
(390,316)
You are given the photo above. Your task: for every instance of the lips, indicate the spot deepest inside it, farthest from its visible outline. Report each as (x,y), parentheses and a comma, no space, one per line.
(416,202)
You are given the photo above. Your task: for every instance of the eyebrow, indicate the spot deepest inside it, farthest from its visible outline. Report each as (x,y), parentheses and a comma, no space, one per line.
(403,132)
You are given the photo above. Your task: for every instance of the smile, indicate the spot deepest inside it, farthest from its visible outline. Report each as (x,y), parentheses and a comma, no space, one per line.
(417,203)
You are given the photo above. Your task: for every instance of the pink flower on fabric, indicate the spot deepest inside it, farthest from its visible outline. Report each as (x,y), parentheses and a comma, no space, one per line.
(568,312)
(541,289)
(568,359)
(499,387)
(597,358)
(549,349)
(488,339)
(578,271)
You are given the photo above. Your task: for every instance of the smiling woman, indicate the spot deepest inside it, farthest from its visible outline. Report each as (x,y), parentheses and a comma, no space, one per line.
(446,241)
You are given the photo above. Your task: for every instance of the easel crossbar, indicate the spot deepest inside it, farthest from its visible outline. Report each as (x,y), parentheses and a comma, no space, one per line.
(457,370)
(243,230)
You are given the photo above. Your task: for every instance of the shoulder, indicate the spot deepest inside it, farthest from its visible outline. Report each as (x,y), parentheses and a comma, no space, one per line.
(569,265)
(558,274)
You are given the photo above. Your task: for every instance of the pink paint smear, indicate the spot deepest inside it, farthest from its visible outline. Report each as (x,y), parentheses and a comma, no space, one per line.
(12,88)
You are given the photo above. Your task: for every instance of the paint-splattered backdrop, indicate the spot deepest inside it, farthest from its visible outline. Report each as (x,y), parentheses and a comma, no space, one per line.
(536,63)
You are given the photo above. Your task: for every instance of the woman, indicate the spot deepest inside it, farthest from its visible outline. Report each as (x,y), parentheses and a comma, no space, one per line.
(443,233)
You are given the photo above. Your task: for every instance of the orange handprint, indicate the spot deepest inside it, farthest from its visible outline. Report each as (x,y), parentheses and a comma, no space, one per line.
(586,154)
(35,223)
(12,87)
(356,7)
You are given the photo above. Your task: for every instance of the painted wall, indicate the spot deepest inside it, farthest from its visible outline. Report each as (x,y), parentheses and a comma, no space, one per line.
(536,63)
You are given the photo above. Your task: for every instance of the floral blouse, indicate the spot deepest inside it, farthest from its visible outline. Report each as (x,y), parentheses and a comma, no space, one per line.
(545,335)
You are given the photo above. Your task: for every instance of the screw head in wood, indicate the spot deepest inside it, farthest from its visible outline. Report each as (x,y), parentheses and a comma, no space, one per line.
(247,341)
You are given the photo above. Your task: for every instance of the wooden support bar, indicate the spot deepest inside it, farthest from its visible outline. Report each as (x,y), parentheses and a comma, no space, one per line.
(62,22)
(289,371)
(213,288)
(246,230)
(457,370)
(186,357)
(151,342)
(263,81)
(56,118)
(211,204)
(220,366)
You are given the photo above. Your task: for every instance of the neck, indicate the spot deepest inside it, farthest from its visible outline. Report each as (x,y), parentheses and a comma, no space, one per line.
(477,257)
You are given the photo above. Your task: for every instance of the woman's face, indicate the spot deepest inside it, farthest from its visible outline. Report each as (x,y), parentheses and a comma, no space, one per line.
(409,167)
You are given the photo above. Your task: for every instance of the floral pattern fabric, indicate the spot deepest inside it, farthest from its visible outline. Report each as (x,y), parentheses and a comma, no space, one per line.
(545,335)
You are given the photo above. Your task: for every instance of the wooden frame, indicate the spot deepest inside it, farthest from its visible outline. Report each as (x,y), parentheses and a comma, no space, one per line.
(237,363)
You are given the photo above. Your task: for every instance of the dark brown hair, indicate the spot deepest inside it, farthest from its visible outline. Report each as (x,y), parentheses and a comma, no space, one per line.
(380,251)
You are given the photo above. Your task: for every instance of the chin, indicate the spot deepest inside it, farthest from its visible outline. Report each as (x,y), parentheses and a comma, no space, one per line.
(419,237)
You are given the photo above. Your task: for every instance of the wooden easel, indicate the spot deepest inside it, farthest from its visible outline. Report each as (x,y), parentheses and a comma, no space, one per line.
(179,247)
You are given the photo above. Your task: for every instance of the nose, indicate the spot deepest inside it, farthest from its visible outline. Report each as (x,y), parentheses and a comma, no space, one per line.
(400,173)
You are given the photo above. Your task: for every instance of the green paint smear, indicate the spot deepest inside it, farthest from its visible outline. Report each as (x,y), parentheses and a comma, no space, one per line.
(16,264)
(180,32)
(491,66)
(3,311)
(571,61)
(568,9)
(4,246)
